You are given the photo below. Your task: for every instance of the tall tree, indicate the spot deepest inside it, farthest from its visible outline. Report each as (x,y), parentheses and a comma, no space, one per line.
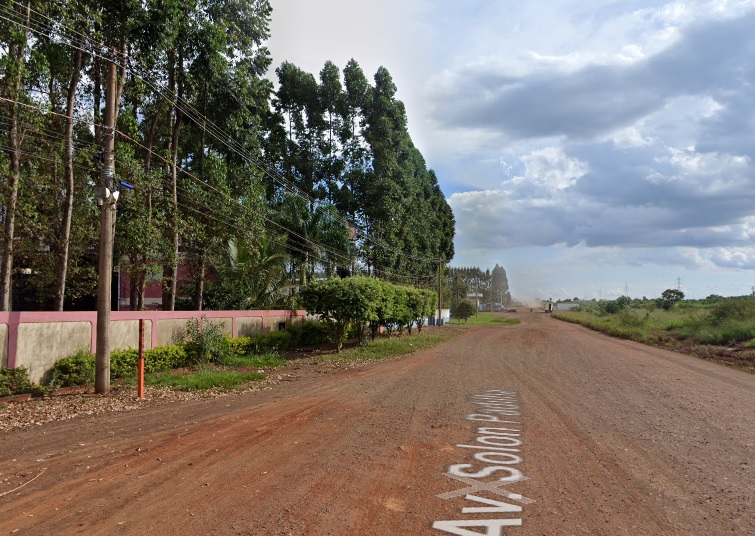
(14,68)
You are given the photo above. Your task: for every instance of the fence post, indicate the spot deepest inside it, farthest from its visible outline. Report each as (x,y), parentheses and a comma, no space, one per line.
(140,362)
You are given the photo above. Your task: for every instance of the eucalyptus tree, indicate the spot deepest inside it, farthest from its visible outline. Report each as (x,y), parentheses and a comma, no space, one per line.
(330,94)
(13,69)
(385,124)
(350,197)
(298,102)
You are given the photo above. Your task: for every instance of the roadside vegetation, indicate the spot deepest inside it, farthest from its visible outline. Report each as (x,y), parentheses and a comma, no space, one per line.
(716,328)
(486,318)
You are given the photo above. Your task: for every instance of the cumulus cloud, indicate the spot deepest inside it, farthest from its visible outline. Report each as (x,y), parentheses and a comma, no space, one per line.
(653,152)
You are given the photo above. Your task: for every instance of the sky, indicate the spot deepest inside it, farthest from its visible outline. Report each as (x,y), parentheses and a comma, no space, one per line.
(593,148)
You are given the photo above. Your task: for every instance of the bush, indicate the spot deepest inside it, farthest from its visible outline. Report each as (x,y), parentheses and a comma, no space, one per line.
(165,358)
(464,310)
(274,341)
(77,369)
(123,363)
(308,333)
(629,319)
(205,341)
(734,308)
(615,306)
(15,381)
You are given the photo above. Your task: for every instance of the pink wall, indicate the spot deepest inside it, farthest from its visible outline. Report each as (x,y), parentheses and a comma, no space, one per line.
(14,319)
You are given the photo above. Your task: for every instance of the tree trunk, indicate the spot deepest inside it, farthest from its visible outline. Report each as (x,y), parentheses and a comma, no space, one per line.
(16,58)
(199,286)
(170,272)
(65,230)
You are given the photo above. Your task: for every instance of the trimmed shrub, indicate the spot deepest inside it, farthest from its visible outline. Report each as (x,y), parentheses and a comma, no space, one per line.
(308,334)
(264,343)
(123,363)
(15,381)
(77,369)
(464,310)
(165,358)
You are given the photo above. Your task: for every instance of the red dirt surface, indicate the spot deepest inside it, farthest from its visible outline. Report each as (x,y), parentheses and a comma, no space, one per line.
(617,438)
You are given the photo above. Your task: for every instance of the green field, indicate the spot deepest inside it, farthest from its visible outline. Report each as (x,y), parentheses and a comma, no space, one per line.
(718,329)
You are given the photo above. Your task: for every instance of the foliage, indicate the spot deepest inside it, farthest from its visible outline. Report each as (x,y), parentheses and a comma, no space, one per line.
(77,369)
(733,308)
(15,381)
(487,318)
(725,322)
(464,309)
(203,379)
(492,285)
(205,341)
(612,307)
(669,298)
(123,363)
(339,302)
(255,361)
(263,343)
(308,333)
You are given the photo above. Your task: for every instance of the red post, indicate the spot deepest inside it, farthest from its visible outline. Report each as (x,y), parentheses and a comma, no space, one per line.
(140,362)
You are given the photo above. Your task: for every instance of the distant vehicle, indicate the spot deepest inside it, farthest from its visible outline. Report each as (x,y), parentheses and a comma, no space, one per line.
(509,310)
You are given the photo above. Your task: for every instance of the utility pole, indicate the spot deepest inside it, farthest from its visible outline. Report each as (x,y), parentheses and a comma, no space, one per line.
(440,289)
(106,199)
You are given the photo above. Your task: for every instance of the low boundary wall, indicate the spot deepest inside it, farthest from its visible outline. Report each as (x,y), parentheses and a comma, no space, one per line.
(36,340)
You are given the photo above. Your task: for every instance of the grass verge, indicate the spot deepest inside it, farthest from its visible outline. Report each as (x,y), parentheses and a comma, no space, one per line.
(687,332)
(484,319)
(203,379)
(386,348)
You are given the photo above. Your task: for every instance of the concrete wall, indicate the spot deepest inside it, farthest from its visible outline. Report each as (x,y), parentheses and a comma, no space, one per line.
(40,345)
(37,340)
(124,334)
(3,345)
(249,326)
(170,331)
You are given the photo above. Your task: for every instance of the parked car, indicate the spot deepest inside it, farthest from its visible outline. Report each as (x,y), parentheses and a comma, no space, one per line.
(509,310)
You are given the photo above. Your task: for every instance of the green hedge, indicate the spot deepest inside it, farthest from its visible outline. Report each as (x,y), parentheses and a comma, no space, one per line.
(264,343)
(355,302)
(79,369)
(308,333)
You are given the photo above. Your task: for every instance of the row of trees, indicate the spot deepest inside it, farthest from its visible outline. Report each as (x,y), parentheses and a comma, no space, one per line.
(247,189)
(359,302)
(493,286)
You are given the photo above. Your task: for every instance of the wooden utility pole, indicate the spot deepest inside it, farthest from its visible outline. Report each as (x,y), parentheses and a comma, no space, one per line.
(440,289)
(107,217)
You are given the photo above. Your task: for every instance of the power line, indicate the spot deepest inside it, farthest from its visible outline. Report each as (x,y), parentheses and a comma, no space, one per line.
(195,116)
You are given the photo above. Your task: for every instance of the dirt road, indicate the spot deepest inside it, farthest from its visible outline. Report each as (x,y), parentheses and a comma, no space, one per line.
(590,435)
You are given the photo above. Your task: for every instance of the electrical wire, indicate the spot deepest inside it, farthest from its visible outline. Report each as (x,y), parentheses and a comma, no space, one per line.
(201,120)
(195,116)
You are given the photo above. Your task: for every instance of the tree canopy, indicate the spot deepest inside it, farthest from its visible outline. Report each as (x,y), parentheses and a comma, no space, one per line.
(238,193)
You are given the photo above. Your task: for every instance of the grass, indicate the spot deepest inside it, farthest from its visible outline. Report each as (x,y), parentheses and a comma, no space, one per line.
(386,348)
(234,371)
(484,319)
(723,332)
(254,361)
(203,379)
